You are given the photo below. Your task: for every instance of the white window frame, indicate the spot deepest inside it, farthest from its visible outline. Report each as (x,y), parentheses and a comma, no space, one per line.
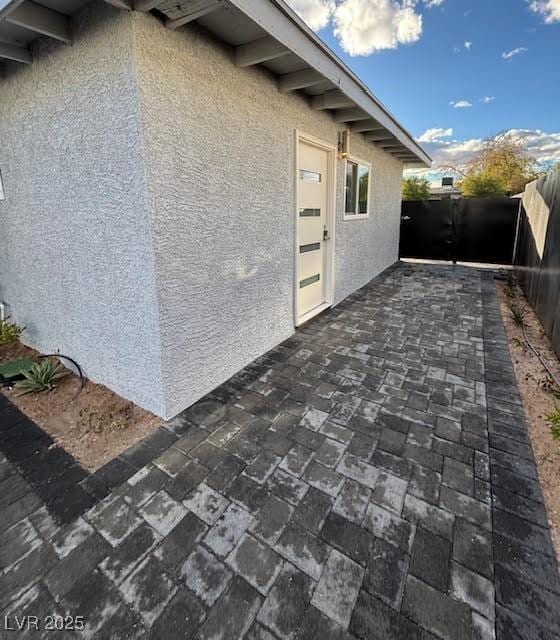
(364,163)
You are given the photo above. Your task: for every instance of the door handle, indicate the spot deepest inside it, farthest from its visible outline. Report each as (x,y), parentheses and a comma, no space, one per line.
(326,234)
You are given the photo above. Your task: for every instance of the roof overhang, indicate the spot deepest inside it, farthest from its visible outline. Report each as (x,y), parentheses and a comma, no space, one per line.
(260,32)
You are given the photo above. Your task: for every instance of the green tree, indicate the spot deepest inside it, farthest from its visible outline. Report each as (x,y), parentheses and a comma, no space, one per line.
(416,189)
(482,185)
(502,160)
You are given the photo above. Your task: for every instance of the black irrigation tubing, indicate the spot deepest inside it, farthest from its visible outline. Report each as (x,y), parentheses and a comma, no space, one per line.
(80,373)
(536,352)
(542,361)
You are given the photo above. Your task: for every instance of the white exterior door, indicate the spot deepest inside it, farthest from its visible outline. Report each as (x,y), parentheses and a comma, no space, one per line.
(313,182)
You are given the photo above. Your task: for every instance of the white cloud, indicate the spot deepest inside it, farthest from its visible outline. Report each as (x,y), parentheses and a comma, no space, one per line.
(316,13)
(487,99)
(508,55)
(460,104)
(543,146)
(435,134)
(549,9)
(467,45)
(458,152)
(365,26)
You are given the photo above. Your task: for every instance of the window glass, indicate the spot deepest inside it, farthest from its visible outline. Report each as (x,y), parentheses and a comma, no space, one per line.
(363,188)
(357,189)
(351,181)
(307,281)
(306,248)
(309,176)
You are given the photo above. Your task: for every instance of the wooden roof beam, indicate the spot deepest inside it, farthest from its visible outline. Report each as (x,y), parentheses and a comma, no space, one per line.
(17,54)
(382,136)
(258,51)
(299,80)
(397,146)
(351,115)
(41,20)
(145,5)
(194,10)
(366,126)
(333,99)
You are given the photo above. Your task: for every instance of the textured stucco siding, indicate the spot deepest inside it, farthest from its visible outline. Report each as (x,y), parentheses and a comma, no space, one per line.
(76,261)
(148,228)
(220,164)
(363,248)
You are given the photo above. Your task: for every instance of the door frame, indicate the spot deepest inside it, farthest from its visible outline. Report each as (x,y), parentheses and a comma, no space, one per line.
(329,246)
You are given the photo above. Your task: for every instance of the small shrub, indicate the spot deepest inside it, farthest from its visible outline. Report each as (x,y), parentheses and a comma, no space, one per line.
(511,280)
(42,376)
(517,314)
(510,292)
(553,420)
(9,331)
(549,385)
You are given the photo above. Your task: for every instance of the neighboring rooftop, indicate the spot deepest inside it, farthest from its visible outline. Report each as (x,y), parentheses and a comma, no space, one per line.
(447,191)
(260,32)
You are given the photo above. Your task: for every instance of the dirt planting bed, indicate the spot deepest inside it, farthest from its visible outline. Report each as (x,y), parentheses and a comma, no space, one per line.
(536,388)
(92,423)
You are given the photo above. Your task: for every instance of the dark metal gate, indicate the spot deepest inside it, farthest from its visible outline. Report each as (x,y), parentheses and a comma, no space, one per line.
(469,230)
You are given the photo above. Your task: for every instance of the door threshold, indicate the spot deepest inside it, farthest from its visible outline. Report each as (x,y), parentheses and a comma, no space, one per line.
(311,314)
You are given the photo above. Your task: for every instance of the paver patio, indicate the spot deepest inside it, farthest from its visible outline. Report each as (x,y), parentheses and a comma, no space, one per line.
(371,477)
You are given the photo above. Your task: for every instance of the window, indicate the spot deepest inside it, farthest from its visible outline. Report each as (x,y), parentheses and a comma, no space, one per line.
(309,176)
(311,280)
(356,190)
(306,248)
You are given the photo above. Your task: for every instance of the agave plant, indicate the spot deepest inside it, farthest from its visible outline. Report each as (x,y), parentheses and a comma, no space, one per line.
(42,376)
(553,420)
(510,292)
(511,280)
(517,314)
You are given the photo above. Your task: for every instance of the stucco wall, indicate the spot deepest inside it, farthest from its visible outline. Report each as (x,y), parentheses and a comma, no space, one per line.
(148,227)
(219,144)
(76,262)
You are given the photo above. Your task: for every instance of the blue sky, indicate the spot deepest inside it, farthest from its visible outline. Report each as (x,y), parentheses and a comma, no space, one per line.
(501,57)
